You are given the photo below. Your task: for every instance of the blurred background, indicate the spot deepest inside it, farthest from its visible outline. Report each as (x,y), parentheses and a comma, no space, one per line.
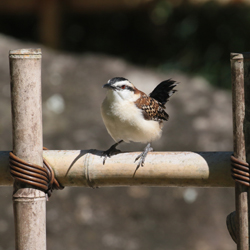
(85,43)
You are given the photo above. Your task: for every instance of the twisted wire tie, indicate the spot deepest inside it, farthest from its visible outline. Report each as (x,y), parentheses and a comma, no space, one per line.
(42,178)
(240,171)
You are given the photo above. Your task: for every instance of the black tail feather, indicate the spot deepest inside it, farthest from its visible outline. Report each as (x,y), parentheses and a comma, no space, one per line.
(163,91)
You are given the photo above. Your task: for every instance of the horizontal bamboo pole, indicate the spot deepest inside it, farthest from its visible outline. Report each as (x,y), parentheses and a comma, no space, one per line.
(172,169)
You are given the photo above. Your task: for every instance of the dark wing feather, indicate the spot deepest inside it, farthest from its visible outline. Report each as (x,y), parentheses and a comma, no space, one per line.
(151,108)
(163,91)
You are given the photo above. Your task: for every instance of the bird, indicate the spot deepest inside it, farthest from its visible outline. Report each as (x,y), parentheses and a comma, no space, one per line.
(131,115)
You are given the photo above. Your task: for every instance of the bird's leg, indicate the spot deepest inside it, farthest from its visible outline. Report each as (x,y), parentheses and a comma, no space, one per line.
(142,157)
(111,151)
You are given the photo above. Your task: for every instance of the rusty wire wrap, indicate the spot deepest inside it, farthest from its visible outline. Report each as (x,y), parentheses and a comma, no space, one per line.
(240,171)
(42,178)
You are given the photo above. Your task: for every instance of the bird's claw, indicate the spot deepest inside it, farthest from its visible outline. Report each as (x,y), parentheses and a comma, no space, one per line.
(142,157)
(104,157)
(140,163)
(108,153)
(142,160)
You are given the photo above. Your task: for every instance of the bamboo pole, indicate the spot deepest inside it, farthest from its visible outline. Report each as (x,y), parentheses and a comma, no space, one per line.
(29,204)
(240,68)
(163,169)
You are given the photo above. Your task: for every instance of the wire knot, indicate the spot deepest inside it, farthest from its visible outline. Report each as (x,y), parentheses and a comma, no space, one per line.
(42,178)
(240,171)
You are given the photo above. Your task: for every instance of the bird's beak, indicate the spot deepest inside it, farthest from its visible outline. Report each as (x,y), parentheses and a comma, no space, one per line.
(107,86)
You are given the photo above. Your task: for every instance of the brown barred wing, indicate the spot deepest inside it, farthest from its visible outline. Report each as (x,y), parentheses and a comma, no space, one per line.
(151,109)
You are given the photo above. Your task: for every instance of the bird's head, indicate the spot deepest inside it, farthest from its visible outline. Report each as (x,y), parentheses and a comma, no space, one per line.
(121,87)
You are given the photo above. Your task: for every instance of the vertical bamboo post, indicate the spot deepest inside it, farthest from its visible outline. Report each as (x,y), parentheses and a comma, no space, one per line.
(29,204)
(240,69)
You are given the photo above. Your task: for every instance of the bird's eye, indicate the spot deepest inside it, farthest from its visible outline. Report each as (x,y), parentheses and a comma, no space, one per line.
(123,86)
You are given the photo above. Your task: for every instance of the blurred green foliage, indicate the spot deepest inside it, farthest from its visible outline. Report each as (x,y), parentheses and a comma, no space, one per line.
(196,39)
(202,38)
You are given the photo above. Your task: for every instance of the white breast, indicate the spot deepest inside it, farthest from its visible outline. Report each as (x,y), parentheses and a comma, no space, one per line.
(124,121)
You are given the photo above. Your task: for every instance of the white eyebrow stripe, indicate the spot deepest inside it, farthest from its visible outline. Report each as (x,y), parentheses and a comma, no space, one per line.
(124,83)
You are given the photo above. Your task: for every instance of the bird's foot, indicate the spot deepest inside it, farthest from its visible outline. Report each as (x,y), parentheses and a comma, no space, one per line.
(142,157)
(111,151)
